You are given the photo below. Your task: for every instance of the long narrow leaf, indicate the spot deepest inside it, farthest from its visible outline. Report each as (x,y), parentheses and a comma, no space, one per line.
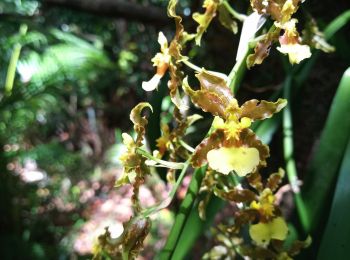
(324,166)
(184,212)
(336,238)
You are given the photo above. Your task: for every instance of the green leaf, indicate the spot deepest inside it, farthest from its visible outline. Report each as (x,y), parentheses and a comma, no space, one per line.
(323,168)
(195,226)
(336,238)
(181,218)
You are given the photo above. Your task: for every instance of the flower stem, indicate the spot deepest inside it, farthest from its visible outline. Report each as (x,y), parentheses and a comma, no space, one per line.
(237,72)
(171,165)
(187,146)
(191,65)
(288,148)
(233,12)
(149,211)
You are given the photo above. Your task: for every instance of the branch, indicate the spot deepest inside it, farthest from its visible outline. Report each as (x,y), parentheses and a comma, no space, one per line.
(115,8)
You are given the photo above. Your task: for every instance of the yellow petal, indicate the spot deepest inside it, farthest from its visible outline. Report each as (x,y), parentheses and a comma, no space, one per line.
(260,233)
(296,52)
(127,140)
(245,122)
(218,123)
(279,228)
(242,160)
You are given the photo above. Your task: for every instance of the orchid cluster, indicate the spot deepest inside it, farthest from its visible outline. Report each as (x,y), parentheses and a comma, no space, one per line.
(231,152)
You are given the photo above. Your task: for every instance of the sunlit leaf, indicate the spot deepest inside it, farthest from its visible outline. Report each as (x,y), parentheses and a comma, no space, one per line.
(335,240)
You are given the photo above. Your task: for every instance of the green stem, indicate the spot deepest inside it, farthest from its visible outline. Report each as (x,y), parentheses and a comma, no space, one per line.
(233,12)
(171,195)
(288,149)
(191,65)
(11,70)
(236,75)
(187,146)
(171,165)
(181,217)
(125,255)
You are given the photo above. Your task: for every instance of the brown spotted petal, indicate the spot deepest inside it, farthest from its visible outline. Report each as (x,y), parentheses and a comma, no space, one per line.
(176,77)
(204,19)
(181,36)
(279,10)
(256,252)
(207,100)
(215,83)
(262,48)
(175,48)
(254,180)
(135,233)
(244,217)
(313,37)
(128,244)
(259,110)
(275,180)
(297,246)
(139,121)
(236,195)
(214,141)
